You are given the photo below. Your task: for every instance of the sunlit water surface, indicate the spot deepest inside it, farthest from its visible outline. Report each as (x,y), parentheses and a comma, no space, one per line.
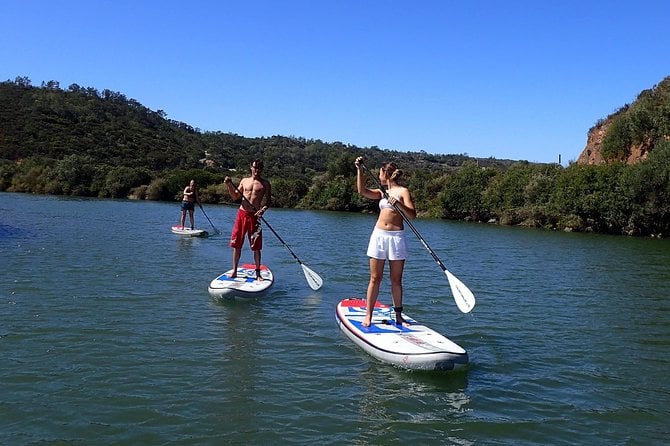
(108,334)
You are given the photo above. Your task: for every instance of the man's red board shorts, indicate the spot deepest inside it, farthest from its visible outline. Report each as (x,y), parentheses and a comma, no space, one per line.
(246,223)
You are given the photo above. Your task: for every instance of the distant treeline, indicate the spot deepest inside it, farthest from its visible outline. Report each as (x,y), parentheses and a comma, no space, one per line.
(80,141)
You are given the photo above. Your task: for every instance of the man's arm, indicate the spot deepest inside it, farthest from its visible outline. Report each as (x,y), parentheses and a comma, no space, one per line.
(267,197)
(231,188)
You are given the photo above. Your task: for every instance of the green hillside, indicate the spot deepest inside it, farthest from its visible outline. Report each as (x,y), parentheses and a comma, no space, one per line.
(85,142)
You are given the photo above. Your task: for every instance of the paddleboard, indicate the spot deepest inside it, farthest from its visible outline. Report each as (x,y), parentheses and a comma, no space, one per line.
(414,347)
(244,285)
(183,230)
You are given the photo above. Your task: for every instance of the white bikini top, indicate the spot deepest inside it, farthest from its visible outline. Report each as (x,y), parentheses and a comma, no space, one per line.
(384,204)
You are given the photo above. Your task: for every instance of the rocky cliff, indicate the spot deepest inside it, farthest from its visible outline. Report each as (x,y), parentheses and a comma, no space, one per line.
(629,134)
(592,153)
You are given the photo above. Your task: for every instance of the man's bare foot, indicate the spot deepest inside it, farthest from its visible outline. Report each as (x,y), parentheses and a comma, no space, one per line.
(366,322)
(233,275)
(258,275)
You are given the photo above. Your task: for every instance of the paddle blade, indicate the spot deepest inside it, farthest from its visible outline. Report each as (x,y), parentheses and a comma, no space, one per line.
(464,298)
(313,279)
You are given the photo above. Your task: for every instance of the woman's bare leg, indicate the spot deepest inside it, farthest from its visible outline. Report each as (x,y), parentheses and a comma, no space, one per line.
(376,274)
(397,267)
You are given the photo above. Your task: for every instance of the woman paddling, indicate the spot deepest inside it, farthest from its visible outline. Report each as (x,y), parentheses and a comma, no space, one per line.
(388,237)
(188,202)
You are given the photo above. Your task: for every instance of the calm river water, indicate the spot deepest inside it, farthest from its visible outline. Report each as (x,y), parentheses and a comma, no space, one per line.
(108,334)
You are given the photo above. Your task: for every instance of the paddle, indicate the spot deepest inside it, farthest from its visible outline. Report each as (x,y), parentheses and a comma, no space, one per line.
(464,298)
(210,221)
(313,279)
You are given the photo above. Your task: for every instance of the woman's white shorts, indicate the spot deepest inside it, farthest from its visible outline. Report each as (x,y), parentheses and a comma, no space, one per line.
(387,245)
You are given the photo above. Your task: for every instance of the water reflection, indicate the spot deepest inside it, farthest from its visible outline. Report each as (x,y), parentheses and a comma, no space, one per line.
(393,400)
(236,326)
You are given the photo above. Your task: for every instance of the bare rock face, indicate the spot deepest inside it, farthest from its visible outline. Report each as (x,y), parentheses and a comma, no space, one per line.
(592,153)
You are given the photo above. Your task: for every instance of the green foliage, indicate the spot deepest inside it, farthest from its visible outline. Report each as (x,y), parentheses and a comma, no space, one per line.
(7,172)
(596,195)
(520,195)
(159,190)
(334,194)
(426,190)
(541,184)
(106,126)
(506,190)
(463,197)
(618,139)
(81,141)
(649,186)
(32,175)
(75,174)
(342,165)
(119,181)
(645,121)
(286,193)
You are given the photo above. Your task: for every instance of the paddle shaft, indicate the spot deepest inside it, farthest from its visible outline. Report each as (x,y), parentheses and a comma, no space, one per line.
(210,221)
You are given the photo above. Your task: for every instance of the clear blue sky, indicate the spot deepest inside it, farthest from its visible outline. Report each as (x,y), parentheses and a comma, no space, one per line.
(521,80)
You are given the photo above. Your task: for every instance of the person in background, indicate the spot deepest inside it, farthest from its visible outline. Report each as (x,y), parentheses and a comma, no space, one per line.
(188,202)
(387,240)
(256,194)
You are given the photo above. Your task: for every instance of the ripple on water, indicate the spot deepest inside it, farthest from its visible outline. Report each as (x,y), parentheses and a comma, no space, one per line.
(110,338)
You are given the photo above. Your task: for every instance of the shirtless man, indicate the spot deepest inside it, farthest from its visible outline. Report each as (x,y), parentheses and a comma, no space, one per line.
(256,195)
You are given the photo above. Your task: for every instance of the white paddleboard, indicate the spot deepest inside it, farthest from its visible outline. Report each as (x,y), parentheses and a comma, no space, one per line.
(415,347)
(183,230)
(244,285)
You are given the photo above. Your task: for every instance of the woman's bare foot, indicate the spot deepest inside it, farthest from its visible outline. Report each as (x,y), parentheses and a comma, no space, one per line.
(399,320)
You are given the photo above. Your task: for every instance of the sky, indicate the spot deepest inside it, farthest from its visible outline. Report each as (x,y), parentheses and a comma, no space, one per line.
(519,80)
